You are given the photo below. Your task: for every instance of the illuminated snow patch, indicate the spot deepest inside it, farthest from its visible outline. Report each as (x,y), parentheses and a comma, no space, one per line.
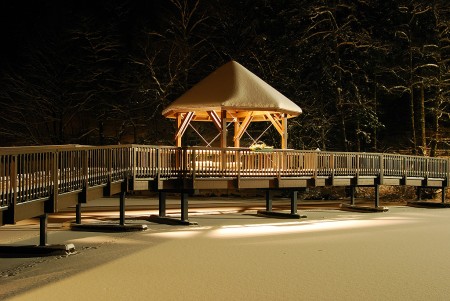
(296,227)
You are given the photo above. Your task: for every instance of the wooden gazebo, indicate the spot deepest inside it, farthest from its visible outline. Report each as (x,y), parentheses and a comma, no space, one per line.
(232,94)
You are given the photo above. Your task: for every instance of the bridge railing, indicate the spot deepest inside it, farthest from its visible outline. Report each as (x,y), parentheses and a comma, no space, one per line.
(35,173)
(151,162)
(414,166)
(25,176)
(213,162)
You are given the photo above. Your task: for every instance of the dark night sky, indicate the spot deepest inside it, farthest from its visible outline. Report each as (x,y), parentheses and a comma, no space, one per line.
(268,37)
(24,23)
(24,20)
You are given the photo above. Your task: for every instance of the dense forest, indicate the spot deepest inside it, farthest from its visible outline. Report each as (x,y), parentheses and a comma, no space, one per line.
(370,75)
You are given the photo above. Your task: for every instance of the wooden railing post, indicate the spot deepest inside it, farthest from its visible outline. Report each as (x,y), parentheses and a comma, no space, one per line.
(185,162)
(223,161)
(239,163)
(84,196)
(193,164)
(109,157)
(133,162)
(357,169)
(315,164)
(13,173)
(55,179)
(280,163)
(158,164)
(447,172)
(332,166)
(405,172)
(381,176)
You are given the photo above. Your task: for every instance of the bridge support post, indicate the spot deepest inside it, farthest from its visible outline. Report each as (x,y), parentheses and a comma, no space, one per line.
(357,208)
(294,202)
(377,196)
(184,207)
(268,200)
(352,195)
(419,193)
(444,188)
(162,203)
(269,213)
(43,227)
(78,213)
(107,227)
(41,250)
(122,207)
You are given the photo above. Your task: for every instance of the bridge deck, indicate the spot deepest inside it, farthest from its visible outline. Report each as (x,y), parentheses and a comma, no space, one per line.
(39,180)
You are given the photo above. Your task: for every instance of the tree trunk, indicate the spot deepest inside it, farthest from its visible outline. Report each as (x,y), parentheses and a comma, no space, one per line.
(358,139)
(322,132)
(412,120)
(101,133)
(411,95)
(423,137)
(375,140)
(339,100)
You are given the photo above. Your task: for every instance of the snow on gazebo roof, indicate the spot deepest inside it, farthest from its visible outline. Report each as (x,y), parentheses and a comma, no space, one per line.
(235,89)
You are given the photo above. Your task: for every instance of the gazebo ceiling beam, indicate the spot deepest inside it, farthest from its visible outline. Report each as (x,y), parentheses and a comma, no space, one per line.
(215,119)
(278,126)
(243,126)
(184,124)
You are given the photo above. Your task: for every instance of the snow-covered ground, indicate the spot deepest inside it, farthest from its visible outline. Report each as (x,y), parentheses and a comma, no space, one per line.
(232,254)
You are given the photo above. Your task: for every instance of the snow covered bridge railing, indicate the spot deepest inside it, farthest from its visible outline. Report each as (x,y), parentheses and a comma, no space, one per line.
(196,163)
(40,180)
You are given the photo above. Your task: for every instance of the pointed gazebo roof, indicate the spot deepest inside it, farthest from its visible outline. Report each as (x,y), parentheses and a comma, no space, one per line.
(232,94)
(235,89)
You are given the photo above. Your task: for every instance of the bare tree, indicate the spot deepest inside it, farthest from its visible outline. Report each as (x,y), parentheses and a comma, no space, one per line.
(168,55)
(415,73)
(345,46)
(40,104)
(441,53)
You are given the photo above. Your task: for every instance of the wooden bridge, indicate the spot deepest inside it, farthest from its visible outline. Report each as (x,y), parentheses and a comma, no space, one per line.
(36,181)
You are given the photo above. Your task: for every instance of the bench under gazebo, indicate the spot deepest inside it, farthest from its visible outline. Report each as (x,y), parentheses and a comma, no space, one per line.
(232,94)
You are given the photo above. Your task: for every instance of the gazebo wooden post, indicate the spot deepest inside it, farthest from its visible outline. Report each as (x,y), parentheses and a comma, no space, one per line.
(237,140)
(223,134)
(178,138)
(284,139)
(223,138)
(284,135)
